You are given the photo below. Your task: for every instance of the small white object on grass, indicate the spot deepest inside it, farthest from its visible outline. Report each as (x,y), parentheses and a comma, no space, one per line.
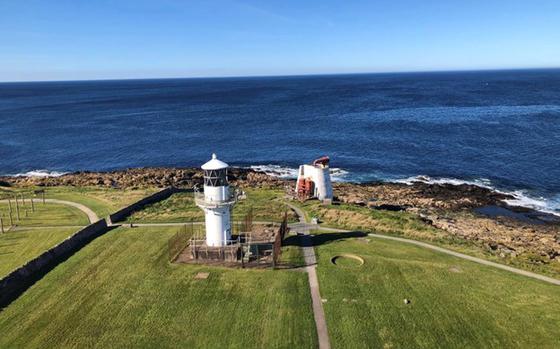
(406,301)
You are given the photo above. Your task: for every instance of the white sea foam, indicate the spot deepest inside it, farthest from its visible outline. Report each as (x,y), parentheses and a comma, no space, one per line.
(482,182)
(276,171)
(337,174)
(40,173)
(520,197)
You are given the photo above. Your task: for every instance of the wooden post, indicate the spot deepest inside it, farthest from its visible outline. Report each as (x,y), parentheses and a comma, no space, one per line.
(26,213)
(11,219)
(1,225)
(32,205)
(17,208)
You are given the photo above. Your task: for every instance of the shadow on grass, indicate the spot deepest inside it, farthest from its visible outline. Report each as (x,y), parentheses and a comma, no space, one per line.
(299,261)
(321,239)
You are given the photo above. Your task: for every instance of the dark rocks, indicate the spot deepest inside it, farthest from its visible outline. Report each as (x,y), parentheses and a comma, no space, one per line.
(388,207)
(145,177)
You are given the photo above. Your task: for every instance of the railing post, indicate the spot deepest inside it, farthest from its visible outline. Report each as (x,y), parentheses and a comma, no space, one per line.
(10,212)
(17,207)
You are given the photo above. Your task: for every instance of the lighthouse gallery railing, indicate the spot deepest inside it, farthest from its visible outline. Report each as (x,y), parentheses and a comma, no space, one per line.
(201,200)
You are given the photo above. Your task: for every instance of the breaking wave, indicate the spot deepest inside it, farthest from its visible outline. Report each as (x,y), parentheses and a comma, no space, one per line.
(337,174)
(482,182)
(520,197)
(39,173)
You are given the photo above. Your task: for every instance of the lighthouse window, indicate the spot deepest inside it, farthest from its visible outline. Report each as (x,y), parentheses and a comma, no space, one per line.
(215,178)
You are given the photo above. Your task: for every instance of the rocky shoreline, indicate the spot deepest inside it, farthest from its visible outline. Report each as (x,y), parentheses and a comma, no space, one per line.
(464,211)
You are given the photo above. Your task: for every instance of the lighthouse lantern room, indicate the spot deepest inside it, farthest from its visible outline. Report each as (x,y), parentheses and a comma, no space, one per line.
(217,202)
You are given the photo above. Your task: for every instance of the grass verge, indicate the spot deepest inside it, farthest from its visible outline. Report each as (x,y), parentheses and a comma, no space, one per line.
(408,225)
(453,303)
(180,207)
(20,246)
(120,291)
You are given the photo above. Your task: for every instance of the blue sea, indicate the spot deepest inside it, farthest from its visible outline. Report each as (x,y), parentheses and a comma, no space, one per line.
(499,129)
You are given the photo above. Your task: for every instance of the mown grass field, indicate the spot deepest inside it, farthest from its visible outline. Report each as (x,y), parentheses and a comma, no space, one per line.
(408,225)
(103,201)
(120,291)
(180,207)
(20,246)
(46,215)
(35,233)
(454,303)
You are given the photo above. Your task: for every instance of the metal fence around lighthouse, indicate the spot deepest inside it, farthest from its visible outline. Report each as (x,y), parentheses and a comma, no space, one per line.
(253,245)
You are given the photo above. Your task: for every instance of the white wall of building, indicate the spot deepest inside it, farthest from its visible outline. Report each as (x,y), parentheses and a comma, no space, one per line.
(321,176)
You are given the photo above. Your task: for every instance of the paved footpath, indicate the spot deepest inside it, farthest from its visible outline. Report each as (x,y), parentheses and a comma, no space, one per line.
(92,216)
(311,263)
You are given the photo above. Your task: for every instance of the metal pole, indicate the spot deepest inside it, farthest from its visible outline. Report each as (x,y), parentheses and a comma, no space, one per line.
(17,208)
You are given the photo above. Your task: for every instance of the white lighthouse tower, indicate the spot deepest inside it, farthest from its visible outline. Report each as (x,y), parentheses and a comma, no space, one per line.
(216,201)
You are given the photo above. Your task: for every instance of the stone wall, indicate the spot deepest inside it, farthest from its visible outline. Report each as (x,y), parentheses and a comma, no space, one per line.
(18,281)
(14,284)
(121,215)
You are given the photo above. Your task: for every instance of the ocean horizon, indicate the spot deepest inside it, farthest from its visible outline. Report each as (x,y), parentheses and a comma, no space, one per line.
(498,129)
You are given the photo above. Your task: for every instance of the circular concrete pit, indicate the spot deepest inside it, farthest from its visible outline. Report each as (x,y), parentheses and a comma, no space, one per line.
(347,260)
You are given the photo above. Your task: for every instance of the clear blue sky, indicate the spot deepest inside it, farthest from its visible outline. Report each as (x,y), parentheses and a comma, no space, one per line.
(99,39)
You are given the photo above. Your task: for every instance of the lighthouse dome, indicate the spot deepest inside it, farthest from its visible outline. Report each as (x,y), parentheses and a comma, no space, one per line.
(214,164)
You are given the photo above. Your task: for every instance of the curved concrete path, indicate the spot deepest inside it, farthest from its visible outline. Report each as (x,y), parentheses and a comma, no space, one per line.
(92,216)
(459,255)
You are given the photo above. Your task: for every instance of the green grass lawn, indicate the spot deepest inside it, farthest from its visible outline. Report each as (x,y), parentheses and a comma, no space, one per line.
(35,233)
(103,201)
(20,246)
(120,291)
(47,215)
(292,252)
(454,303)
(180,207)
(408,225)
